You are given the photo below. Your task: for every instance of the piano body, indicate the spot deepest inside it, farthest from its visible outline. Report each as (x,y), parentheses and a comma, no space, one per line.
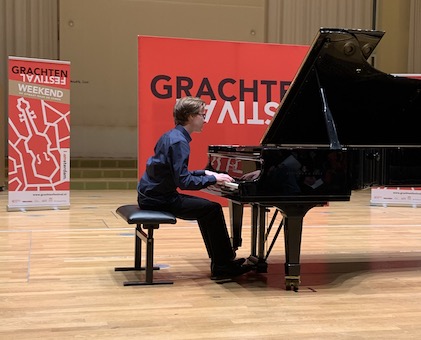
(336,106)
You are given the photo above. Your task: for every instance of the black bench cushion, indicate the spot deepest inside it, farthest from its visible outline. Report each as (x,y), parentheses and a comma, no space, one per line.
(132,214)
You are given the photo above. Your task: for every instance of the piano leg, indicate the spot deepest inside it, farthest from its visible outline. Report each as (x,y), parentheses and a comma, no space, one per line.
(254,219)
(236,216)
(258,238)
(293,227)
(262,266)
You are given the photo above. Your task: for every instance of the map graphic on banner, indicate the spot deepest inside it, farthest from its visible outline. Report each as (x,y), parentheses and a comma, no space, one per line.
(39,134)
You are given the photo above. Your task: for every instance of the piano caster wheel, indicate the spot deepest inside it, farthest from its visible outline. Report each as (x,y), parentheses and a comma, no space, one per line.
(292,283)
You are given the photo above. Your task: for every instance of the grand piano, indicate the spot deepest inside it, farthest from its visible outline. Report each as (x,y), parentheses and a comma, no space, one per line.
(337,105)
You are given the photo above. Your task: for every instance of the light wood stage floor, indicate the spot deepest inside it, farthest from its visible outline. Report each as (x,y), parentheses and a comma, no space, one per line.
(360,277)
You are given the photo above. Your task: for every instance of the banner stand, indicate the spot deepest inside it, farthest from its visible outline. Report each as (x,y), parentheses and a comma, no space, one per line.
(39,134)
(396,196)
(2,141)
(242,84)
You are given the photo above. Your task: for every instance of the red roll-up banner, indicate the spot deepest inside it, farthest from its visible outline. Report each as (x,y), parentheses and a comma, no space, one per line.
(39,134)
(242,84)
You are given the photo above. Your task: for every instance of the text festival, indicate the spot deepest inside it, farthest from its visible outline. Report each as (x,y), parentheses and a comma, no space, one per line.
(41,75)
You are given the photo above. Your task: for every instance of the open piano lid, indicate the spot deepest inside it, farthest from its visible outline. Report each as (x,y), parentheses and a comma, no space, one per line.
(337,99)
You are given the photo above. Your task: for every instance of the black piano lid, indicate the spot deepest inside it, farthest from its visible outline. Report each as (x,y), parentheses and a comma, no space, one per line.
(337,99)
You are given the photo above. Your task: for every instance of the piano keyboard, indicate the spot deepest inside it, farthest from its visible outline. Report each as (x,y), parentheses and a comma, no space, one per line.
(231,185)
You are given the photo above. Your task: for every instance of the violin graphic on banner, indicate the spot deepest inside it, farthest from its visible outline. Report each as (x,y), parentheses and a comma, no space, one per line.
(37,144)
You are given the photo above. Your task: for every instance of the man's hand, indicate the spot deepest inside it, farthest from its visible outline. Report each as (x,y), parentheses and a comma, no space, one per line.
(251,175)
(222,178)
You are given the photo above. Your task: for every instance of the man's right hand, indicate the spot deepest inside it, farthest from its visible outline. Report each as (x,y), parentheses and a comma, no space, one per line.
(222,178)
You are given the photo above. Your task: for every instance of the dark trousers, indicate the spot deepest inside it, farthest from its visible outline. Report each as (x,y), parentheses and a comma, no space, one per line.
(210,218)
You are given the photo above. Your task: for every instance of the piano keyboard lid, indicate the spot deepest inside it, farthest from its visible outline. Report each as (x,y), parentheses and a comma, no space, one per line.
(338,99)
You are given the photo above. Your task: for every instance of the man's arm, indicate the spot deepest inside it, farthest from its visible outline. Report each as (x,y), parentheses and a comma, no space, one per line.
(183,178)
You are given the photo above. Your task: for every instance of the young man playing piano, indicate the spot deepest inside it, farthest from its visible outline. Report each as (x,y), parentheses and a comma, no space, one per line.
(167,170)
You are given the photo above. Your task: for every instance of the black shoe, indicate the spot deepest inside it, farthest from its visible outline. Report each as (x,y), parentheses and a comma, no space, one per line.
(229,270)
(239,261)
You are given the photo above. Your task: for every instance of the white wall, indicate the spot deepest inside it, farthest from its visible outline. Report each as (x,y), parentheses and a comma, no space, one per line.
(100,39)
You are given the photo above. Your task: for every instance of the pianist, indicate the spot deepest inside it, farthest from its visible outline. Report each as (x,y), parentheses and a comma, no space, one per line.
(167,170)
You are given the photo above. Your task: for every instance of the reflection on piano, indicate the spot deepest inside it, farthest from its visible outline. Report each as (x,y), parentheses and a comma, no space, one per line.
(336,105)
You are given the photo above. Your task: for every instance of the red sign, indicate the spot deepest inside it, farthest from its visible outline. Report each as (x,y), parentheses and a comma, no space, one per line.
(242,84)
(39,133)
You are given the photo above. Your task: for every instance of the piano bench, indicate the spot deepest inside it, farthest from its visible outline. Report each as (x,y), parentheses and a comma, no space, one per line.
(148,220)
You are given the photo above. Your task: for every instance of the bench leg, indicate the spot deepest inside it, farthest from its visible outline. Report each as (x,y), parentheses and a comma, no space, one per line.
(140,236)
(137,252)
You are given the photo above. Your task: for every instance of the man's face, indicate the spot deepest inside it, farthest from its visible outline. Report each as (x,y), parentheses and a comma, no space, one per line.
(198,121)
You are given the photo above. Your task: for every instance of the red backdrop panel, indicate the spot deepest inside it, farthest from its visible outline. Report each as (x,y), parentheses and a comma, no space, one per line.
(242,84)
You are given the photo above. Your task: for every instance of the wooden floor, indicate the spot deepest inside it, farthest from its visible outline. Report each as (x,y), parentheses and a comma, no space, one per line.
(361,277)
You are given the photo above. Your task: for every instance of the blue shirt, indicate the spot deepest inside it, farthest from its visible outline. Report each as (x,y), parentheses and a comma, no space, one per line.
(168,170)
